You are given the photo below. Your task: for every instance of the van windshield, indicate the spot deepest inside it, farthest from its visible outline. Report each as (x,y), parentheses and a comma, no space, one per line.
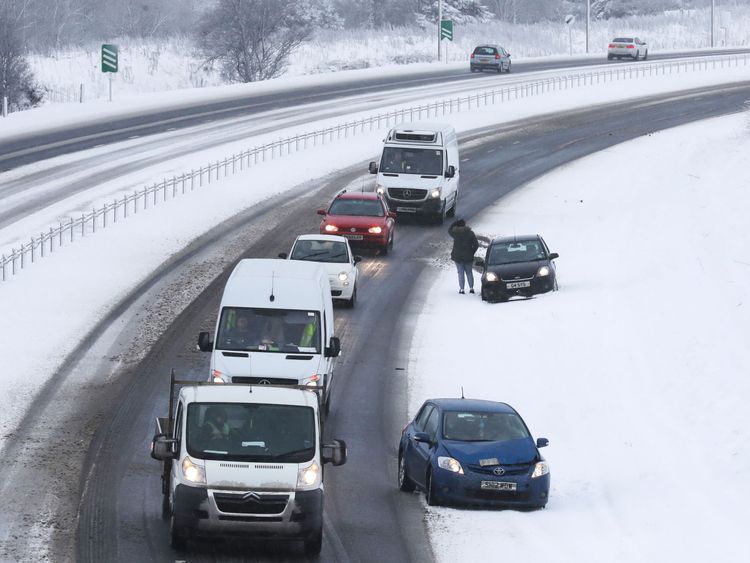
(251,432)
(400,160)
(269,330)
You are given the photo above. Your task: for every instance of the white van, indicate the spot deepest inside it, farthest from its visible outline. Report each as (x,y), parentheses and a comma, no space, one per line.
(244,460)
(418,170)
(275,326)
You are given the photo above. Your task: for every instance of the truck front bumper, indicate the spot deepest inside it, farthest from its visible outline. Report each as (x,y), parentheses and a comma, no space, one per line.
(293,514)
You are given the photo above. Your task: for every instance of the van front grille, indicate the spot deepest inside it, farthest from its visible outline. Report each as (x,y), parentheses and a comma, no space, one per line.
(407,194)
(251,503)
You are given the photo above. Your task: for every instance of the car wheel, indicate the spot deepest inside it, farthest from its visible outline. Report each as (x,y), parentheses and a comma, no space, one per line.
(314,543)
(177,536)
(637,56)
(645,55)
(353,300)
(430,493)
(554,286)
(404,483)
(500,68)
(508,69)
(610,57)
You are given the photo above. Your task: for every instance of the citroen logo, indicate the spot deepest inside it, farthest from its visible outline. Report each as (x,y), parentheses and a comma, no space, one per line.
(499,471)
(407,193)
(248,496)
(264,382)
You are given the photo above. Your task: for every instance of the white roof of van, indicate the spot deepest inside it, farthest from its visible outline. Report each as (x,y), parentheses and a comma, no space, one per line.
(274,267)
(295,284)
(224,393)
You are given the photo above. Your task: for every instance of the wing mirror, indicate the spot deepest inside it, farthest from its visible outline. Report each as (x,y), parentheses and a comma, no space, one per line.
(162,447)
(321,211)
(392,214)
(357,259)
(542,442)
(422,437)
(451,172)
(479,262)
(373,167)
(205,344)
(283,255)
(554,255)
(334,349)
(334,452)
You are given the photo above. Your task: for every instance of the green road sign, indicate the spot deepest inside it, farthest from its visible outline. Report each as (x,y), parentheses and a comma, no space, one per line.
(446,30)
(109,58)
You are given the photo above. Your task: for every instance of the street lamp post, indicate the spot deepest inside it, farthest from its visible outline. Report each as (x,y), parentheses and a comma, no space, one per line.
(588,23)
(712,23)
(440,19)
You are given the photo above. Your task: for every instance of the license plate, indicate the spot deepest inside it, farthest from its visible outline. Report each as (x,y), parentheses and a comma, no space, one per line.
(498,486)
(406,209)
(516,285)
(353,237)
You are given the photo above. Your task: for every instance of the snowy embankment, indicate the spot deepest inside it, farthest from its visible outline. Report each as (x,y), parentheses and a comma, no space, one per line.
(636,370)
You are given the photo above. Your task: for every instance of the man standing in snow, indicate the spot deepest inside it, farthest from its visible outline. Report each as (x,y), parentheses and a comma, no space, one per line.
(465,244)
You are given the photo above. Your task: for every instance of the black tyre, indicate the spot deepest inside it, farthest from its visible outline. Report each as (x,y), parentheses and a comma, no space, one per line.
(430,493)
(314,543)
(177,536)
(452,210)
(610,57)
(500,68)
(404,482)
(645,55)
(353,300)
(508,69)
(637,56)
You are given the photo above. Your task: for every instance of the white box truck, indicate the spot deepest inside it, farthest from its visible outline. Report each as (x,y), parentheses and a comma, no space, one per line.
(243,460)
(275,326)
(418,170)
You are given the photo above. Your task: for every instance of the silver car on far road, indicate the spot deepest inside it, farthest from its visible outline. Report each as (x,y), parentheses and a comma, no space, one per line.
(492,57)
(630,47)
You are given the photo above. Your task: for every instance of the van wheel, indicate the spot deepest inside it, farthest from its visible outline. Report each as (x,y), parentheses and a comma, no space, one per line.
(314,543)
(178,539)
(440,217)
(452,210)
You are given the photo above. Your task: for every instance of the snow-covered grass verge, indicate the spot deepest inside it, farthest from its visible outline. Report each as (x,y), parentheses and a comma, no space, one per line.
(636,370)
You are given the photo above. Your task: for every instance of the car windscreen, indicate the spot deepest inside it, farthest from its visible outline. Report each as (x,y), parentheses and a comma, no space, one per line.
(622,40)
(269,330)
(320,251)
(514,252)
(479,426)
(251,432)
(363,207)
(399,160)
(485,51)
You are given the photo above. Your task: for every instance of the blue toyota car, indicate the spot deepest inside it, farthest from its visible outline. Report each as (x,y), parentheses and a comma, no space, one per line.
(468,451)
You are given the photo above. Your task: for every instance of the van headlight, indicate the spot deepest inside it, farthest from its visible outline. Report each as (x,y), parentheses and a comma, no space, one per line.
(309,477)
(193,472)
(543,271)
(540,469)
(435,193)
(311,381)
(490,276)
(380,189)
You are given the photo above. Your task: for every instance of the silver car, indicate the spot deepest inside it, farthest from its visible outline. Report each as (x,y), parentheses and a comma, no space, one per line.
(630,47)
(492,57)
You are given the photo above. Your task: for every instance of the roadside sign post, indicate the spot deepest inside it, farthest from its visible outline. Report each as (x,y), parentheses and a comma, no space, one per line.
(569,21)
(446,32)
(109,63)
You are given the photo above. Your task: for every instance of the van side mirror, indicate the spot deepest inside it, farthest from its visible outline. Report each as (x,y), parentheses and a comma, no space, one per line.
(334,452)
(283,255)
(554,255)
(542,442)
(205,344)
(357,259)
(334,348)
(162,447)
(373,167)
(321,211)
(451,172)
(479,262)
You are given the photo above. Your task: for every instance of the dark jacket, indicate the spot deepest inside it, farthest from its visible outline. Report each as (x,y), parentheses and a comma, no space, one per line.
(465,243)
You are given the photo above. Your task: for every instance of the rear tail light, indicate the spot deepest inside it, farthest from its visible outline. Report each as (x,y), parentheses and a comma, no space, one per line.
(631,46)
(472,55)
(612,46)
(497,56)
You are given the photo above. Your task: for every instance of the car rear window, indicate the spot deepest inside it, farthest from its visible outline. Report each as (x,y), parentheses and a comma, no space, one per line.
(485,51)
(622,40)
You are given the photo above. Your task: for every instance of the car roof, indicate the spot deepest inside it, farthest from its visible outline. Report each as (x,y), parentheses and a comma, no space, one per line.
(335,238)
(358,195)
(472,404)
(514,238)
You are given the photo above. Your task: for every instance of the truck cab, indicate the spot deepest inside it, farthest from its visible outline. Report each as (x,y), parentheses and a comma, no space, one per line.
(244,460)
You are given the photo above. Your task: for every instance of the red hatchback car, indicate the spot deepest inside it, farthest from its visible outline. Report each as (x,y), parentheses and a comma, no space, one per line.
(362,217)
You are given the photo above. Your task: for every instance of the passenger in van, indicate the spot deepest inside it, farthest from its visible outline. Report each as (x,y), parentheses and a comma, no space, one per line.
(241,335)
(215,427)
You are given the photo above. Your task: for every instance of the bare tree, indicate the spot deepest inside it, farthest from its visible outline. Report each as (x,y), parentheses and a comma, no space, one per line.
(16,79)
(252,39)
